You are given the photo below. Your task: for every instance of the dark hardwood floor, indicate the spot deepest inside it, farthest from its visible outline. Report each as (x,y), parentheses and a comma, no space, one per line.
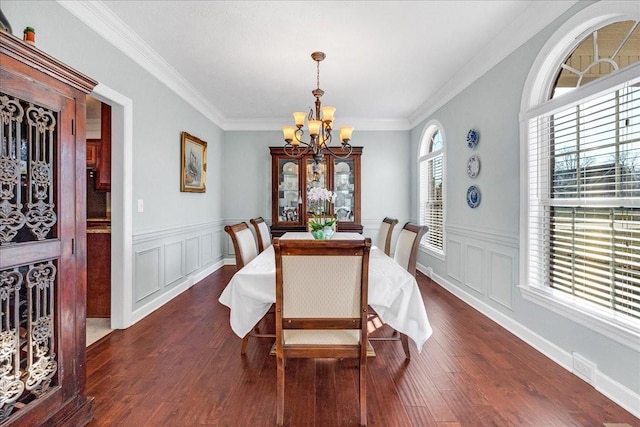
(181,366)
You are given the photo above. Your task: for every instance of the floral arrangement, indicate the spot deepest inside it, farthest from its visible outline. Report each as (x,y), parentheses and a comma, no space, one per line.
(319,200)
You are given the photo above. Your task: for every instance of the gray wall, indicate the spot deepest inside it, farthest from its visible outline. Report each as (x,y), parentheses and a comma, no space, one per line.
(482,260)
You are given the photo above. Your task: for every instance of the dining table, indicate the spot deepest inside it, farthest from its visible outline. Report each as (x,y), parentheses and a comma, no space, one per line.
(393,292)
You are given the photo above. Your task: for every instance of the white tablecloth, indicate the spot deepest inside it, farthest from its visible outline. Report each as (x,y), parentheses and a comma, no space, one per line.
(393,292)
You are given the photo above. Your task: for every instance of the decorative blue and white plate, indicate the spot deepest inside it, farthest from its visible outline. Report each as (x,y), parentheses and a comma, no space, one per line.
(473,166)
(473,196)
(472,138)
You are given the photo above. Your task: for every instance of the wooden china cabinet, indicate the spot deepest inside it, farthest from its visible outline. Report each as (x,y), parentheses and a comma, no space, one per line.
(42,239)
(292,178)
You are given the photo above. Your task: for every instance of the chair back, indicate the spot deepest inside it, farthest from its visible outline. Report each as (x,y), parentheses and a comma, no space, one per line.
(263,234)
(406,252)
(244,244)
(322,286)
(384,234)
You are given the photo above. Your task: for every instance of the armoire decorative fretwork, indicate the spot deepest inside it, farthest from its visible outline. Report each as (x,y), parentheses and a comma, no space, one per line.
(42,239)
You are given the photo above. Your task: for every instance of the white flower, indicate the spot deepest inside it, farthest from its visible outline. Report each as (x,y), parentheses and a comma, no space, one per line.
(317,194)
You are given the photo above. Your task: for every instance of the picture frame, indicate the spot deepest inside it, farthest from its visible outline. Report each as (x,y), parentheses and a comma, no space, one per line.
(193,164)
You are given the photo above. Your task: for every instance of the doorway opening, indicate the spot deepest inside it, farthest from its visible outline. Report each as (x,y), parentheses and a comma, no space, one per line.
(120,204)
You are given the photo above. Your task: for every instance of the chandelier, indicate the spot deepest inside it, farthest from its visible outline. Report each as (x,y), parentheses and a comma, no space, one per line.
(319,127)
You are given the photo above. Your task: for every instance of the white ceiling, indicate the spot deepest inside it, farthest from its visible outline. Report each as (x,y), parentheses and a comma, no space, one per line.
(247,64)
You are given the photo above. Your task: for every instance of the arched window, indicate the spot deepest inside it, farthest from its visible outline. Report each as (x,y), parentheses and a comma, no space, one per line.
(431,187)
(581,215)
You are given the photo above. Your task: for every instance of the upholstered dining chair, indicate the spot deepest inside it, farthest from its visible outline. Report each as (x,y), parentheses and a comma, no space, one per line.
(244,244)
(321,306)
(384,234)
(263,234)
(245,249)
(406,254)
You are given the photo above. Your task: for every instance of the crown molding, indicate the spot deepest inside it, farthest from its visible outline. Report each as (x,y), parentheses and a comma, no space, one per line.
(504,43)
(97,16)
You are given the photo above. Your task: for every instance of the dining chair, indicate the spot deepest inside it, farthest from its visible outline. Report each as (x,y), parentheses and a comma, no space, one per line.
(321,306)
(263,234)
(245,249)
(406,254)
(384,234)
(244,244)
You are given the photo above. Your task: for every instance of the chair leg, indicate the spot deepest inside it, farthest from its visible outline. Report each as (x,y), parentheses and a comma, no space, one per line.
(363,392)
(245,341)
(405,345)
(280,391)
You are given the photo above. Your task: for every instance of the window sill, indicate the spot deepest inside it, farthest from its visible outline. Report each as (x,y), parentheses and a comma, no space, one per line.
(620,328)
(432,252)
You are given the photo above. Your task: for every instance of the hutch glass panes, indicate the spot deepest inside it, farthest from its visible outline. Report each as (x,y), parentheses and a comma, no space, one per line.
(344,187)
(288,191)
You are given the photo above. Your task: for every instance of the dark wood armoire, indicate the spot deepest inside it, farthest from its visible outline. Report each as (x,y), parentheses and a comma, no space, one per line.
(42,238)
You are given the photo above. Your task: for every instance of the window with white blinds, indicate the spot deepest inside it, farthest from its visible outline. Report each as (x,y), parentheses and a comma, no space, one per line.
(584,199)
(431,189)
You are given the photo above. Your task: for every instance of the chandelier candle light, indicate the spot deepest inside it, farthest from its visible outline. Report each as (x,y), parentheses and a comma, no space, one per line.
(319,127)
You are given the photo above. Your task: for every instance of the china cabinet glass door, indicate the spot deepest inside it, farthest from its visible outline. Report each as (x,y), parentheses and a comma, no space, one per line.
(344,187)
(289,197)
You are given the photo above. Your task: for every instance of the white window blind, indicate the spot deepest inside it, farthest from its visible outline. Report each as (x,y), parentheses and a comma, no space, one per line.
(431,203)
(584,200)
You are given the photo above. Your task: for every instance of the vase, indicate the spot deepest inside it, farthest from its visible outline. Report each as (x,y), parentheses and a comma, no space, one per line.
(317,234)
(29,35)
(328,232)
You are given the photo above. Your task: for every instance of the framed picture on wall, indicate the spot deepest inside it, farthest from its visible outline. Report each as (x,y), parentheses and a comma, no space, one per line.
(193,164)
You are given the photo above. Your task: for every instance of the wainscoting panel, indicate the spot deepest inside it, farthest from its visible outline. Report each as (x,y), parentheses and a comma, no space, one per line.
(474,272)
(192,258)
(454,260)
(147,273)
(174,262)
(206,249)
(230,249)
(501,278)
